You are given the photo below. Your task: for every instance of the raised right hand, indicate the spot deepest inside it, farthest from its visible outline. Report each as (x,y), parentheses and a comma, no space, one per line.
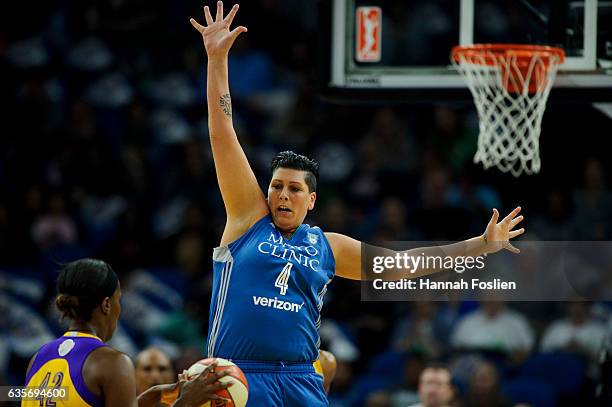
(216,35)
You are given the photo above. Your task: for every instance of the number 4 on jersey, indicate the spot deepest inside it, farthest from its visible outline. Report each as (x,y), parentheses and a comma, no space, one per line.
(283,279)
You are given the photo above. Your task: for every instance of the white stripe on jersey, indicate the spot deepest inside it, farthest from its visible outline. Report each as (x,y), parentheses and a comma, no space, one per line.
(221,297)
(220,254)
(320,306)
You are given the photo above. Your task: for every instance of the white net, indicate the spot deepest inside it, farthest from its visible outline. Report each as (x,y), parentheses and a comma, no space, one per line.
(510,90)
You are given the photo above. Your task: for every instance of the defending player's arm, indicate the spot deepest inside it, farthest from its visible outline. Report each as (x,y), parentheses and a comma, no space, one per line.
(347,251)
(244,201)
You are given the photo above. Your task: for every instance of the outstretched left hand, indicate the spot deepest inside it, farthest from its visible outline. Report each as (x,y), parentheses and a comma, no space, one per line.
(497,235)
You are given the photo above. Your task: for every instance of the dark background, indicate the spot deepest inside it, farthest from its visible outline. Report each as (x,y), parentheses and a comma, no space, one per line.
(104,153)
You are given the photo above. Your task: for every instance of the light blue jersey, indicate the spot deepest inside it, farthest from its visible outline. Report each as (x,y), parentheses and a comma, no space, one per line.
(268,293)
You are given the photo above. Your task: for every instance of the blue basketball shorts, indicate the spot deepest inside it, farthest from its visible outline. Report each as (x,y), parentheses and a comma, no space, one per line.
(283,384)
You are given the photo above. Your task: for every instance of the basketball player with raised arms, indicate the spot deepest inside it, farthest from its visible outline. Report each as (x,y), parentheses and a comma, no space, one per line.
(93,374)
(271,270)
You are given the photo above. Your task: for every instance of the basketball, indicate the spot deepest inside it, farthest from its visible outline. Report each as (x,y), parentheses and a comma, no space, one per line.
(237,393)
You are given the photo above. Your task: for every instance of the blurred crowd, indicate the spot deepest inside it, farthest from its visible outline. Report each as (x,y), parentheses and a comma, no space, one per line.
(104,153)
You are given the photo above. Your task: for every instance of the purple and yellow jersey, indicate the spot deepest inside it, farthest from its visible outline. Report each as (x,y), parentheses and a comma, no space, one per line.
(59,364)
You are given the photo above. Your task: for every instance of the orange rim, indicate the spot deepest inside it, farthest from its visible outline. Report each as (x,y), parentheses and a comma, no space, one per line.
(521,51)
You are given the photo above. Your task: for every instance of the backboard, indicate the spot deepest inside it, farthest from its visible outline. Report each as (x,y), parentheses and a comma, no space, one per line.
(410,44)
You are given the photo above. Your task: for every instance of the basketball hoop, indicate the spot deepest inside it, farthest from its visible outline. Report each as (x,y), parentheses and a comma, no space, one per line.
(510,84)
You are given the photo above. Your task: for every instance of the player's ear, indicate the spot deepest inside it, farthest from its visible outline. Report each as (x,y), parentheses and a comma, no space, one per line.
(105,307)
(313,199)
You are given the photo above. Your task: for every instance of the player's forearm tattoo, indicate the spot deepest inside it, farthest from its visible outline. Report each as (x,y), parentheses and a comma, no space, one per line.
(226,104)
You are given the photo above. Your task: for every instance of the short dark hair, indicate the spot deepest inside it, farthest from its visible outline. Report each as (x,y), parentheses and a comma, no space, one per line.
(81,287)
(289,159)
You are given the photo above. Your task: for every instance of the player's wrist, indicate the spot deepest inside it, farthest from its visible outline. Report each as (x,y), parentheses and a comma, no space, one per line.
(218,57)
(478,245)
